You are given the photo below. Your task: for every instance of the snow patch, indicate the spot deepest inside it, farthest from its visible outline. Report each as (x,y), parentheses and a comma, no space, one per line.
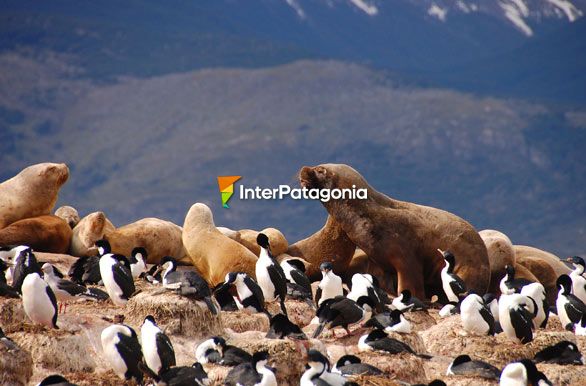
(515,11)
(295,5)
(369,9)
(437,11)
(572,13)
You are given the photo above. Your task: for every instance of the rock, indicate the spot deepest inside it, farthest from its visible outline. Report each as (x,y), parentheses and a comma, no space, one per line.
(16,365)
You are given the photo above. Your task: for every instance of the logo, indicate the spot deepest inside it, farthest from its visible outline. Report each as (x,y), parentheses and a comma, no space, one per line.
(226,184)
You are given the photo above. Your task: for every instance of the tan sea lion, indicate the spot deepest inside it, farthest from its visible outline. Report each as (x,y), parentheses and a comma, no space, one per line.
(43,233)
(543,272)
(402,235)
(277,240)
(500,253)
(159,237)
(211,252)
(32,192)
(90,229)
(554,261)
(330,243)
(234,235)
(69,214)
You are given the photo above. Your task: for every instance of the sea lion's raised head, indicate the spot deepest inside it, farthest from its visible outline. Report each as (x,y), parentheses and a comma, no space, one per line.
(331,176)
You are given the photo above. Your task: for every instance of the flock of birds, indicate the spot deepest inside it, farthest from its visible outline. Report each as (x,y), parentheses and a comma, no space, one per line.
(520,310)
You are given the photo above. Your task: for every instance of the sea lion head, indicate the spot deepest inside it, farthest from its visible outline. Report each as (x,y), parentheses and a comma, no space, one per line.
(69,214)
(58,173)
(331,176)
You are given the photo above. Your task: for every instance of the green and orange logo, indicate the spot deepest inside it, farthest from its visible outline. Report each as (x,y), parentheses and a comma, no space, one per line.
(226,184)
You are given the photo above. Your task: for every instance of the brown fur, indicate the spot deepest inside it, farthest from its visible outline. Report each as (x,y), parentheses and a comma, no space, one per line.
(90,229)
(362,264)
(543,272)
(211,252)
(500,253)
(32,192)
(277,240)
(553,261)
(160,238)
(234,235)
(44,234)
(69,214)
(330,243)
(403,235)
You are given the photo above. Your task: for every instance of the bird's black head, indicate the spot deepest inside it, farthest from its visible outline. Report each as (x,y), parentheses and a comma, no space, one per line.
(564,282)
(576,260)
(461,359)
(279,319)
(219,341)
(230,277)
(347,360)
(260,356)
(375,335)
(296,263)
(363,301)
(436,382)
(510,270)
(168,259)
(326,266)
(316,356)
(53,380)
(450,258)
(103,246)
(199,367)
(488,298)
(396,315)
(139,253)
(3,266)
(263,240)
(151,319)
(406,295)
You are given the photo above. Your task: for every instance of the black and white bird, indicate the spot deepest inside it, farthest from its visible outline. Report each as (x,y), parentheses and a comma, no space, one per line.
(123,352)
(66,290)
(393,321)
(561,353)
(55,380)
(464,365)
(253,373)
(8,254)
(343,312)
(330,285)
(475,316)
(157,350)
(281,327)
(577,276)
(269,274)
(184,376)
(86,270)
(6,291)
(492,302)
(452,284)
(24,263)
(215,350)
(298,284)
(516,318)
(138,259)
(406,302)
(224,298)
(364,284)
(451,308)
(509,284)
(570,309)
(523,373)
(536,291)
(352,365)
(245,291)
(187,283)
(317,372)
(378,340)
(116,275)
(39,301)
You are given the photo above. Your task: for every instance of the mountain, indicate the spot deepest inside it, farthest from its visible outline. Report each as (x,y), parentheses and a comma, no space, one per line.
(141,147)
(464,44)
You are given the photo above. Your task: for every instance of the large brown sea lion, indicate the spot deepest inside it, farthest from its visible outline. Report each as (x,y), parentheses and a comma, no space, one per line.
(32,192)
(524,251)
(402,235)
(159,237)
(43,233)
(90,229)
(330,243)
(211,252)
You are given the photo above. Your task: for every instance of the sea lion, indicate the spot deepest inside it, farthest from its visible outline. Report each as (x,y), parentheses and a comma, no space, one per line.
(47,233)
(231,233)
(330,243)
(360,263)
(69,214)
(160,238)
(32,192)
(90,229)
(211,252)
(402,235)
(500,253)
(543,272)
(277,240)
(553,261)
